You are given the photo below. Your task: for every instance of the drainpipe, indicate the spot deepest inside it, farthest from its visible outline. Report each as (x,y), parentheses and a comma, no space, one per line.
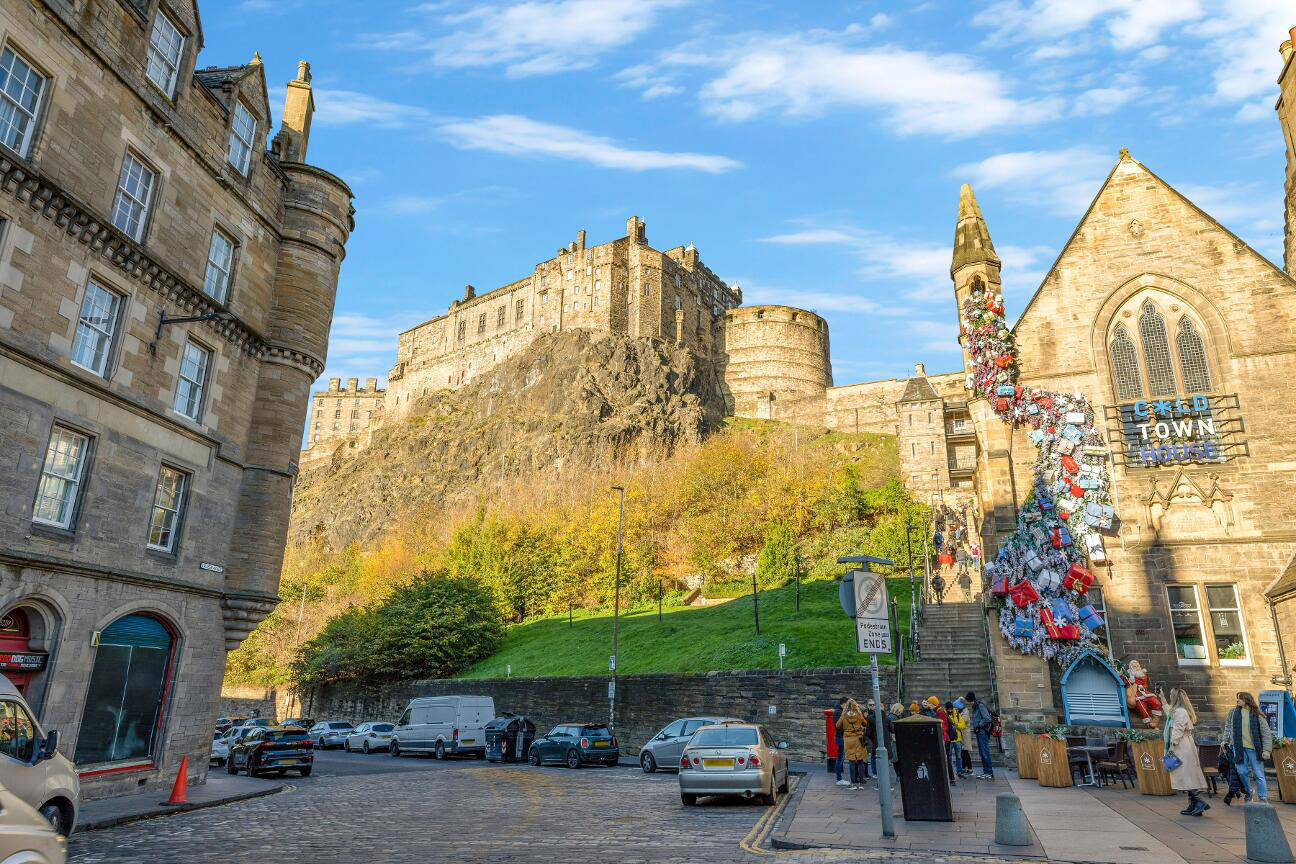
(1285,678)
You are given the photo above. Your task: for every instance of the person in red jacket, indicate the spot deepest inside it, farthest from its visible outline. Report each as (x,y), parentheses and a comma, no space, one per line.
(947,734)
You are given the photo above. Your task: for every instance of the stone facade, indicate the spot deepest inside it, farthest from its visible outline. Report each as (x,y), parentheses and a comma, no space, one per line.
(135,450)
(341,414)
(774,354)
(645,703)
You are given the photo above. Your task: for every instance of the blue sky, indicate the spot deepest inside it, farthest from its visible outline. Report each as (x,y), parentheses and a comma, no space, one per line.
(812,151)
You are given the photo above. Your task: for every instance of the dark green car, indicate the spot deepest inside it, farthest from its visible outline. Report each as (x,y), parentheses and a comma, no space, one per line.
(574,745)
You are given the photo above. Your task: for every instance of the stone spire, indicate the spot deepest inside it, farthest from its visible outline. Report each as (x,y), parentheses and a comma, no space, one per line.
(971,236)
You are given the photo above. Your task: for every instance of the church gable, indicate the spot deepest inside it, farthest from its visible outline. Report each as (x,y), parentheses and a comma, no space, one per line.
(1140,233)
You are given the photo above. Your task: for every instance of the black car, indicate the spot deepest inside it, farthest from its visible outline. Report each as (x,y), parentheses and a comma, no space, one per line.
(277,749)
(574,745)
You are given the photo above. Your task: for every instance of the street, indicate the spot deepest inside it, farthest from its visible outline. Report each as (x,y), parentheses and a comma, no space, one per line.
(374,808)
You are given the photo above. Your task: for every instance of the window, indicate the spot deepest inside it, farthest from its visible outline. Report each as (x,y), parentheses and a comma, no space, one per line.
(678,305)
(463,327)
(355,415)
(499,317)
(337,413)
(96,327)
(1192,359)
(168,502)
(134,195)
(692,726)
(521,305)
(1156,351)
(1226,625)
(127,690)
(17,732)
(61,478)
(220,266)
(1159,368)
(242,134)
(674,730)
(1185,620)
(165,45)
(481,323)
(1125,369)
(193,380)
(21,87)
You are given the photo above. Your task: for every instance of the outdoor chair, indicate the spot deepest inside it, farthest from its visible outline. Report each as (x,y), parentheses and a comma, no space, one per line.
(1208,755)
(1076,759)
(1117,766)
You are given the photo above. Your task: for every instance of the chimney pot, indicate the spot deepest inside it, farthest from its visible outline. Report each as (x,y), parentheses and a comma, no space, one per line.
(299,108)
(920,370)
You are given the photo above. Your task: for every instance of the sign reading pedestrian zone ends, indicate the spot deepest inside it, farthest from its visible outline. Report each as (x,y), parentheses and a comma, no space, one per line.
(872,622)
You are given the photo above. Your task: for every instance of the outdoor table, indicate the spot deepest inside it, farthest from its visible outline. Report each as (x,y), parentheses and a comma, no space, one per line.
(1089,750)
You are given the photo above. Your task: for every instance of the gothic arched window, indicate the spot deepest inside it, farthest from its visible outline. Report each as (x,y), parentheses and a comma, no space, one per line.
(1125,368)
(1192,358)
(1156,351)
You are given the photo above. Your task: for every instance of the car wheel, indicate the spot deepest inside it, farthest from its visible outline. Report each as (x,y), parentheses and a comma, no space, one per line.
(440,750)
(230,767)
(394,749)
(346,746)
(305,772)
(320,744)
(365,747)
(769,799)
(784,787)
(57,817)
(688,800)
(534,757)
(573,759)
(647,762)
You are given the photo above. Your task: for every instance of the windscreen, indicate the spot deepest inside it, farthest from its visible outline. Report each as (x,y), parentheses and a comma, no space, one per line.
(286,735)
(340,726)
(595,731)
(383,727)
(727,736)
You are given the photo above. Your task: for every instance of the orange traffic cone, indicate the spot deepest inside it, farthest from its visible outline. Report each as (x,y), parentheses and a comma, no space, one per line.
(178,790)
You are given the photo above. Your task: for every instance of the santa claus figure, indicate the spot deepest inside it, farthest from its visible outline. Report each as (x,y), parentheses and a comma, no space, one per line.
(1137,695)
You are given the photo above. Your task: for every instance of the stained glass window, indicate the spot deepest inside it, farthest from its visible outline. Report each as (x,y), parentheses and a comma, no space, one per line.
(1156,351)
(1125,370)
(1192,358)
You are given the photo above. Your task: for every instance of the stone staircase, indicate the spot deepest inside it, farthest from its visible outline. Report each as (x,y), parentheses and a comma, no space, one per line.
(953,649)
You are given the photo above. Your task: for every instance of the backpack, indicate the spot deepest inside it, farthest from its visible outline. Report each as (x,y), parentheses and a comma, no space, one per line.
(996,728)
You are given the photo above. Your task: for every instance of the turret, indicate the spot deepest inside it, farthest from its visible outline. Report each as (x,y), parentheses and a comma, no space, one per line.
(974,254)
(1287,119)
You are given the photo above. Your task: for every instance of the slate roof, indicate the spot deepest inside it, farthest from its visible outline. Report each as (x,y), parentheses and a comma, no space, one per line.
(918,390)
(971,236)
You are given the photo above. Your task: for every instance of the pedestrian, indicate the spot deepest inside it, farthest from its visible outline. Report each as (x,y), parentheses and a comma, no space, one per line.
(928,708)
(897,713)
(841,750)
(982,722)
(938,589)
(1248,734)
(1228,768)
(871,736)
(947,735)
(957,722)
(913,708)
(1180,743)
(965,737)
(852,726)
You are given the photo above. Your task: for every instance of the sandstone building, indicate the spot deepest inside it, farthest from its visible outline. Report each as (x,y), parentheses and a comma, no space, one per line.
(166,289)
(341,414)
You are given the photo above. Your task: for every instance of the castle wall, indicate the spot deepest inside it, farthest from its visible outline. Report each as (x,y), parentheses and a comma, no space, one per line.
(1287,119)
(773,353)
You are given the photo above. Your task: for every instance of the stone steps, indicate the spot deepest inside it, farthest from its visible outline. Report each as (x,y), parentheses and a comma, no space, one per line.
(953,654)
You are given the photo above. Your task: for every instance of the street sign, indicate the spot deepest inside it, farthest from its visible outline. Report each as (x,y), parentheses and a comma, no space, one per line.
(782,649)
(872,620)
(611,689)
(611,662)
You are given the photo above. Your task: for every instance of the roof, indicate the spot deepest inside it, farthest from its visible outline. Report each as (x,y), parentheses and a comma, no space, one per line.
(216,77)
(971,236)
(1284,586)
(918,390)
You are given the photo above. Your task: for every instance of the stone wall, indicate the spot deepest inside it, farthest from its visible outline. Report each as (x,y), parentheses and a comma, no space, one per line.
(341,413)
(645,703)
(250,702)
(774,354)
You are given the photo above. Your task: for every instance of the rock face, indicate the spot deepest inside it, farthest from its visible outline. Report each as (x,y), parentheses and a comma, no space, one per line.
(572,400)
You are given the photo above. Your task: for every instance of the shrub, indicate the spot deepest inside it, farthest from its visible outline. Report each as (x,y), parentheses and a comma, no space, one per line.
(777,557)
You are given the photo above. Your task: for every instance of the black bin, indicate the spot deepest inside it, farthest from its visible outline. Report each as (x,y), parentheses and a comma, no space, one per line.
(508,737)
(924,770)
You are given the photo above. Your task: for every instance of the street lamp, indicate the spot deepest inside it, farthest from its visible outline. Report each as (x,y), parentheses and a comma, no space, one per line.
(616,608)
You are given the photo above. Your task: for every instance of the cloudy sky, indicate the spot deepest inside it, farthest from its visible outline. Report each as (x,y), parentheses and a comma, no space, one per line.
(811,150)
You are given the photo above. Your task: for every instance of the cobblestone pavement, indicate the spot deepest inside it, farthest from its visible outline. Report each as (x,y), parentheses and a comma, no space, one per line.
(418,810)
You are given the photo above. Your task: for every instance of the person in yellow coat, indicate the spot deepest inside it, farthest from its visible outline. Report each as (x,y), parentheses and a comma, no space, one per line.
(958,719)
(851,723)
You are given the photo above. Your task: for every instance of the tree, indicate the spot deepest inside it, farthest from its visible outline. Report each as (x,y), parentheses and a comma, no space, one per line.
(777,557)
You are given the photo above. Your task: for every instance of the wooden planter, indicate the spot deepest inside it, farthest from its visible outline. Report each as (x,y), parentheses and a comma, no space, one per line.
(1284,759)
(1027,755)
(1053,767)
(1153,778)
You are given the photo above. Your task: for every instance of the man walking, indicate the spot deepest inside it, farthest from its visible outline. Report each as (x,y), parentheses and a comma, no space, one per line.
(841,741)
(981,723)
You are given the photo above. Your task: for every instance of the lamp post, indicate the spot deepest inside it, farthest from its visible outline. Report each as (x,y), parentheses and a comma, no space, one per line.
(616,609)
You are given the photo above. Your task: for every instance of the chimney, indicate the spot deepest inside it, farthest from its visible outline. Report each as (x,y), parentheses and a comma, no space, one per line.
(469,292)
(299,107)
(920,370)
(580,239)
(636,230)
(371,383)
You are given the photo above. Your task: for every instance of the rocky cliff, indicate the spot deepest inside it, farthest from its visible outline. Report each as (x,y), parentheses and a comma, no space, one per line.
(572,400)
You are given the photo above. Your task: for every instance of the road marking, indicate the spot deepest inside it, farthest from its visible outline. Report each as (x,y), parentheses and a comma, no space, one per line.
(760,831)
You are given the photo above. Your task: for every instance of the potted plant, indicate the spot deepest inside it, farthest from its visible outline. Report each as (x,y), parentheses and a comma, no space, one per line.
(1284,760)
(1027,754)
(1054,766)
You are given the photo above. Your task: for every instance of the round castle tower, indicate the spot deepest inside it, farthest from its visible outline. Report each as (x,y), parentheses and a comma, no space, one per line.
(773,355)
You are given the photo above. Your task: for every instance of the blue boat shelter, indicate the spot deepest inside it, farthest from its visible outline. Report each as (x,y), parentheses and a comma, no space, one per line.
(1093,694)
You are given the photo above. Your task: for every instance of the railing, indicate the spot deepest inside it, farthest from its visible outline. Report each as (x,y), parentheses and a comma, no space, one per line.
(959,427)
(985,629)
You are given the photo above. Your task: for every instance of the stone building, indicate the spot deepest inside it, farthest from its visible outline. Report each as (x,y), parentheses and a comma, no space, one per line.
(166,289)
(340,414)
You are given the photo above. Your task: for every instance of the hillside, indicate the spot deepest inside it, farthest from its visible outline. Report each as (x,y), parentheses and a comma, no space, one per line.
(571,401)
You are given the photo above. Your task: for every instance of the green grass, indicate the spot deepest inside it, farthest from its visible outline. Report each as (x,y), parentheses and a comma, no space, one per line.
(692,640)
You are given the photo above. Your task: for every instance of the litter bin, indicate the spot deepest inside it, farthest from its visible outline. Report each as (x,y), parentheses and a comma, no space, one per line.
(508,738)
(924,770)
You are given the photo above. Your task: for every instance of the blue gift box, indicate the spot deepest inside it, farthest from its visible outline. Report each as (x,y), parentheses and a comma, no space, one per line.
(1064,535)
(1023,627)
(1090,618)
(1035,435)
(1071,433)
(1062,610)
(1005,390)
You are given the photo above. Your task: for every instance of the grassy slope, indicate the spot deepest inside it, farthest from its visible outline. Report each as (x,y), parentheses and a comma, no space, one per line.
(692,639)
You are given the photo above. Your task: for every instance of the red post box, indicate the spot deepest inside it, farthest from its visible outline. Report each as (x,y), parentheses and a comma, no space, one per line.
(830,740)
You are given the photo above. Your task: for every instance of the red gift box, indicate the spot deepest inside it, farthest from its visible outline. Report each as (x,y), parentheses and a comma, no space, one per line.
(1000,584)
(1002,361)
(1055,538)
(1070,465)
(1077,579)
(1076,491)
(1058,631)
(1044,402)
(1023,594)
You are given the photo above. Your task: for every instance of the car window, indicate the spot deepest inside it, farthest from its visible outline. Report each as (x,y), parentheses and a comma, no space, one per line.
(725,736)
(381,727)
(595,731)
(340,726)
(17,732)
(284,735)
(363,727)
(693,725)
(674,730)
(405,719)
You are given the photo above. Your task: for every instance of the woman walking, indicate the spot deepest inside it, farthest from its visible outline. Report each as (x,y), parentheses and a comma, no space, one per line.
(1181,751)
(1251,741)
(852,726)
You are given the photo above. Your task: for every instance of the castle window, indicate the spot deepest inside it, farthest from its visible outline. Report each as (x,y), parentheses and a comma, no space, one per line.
(337,414)
(647,289)
(499,317)
(134,196)
(21,88)
(165,46)
(463,329)
(520,306)
(1156,351)
(1192,358)
(481,323)
(242,136)
(678,304)
(1156,368)
(1125,371)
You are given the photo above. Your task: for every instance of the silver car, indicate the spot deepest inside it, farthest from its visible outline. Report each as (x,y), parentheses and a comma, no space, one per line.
(368,737)
(664,749)
(733,759)
(26,836)
(330,733)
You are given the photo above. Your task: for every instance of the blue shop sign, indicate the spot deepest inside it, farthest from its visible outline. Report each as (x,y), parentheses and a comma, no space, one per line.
(1180,431)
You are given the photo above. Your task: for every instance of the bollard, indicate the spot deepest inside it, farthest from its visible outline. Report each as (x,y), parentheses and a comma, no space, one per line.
(1265,839)
(1011,827)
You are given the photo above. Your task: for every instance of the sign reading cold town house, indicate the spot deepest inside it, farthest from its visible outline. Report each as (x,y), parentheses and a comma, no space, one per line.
(1177,431)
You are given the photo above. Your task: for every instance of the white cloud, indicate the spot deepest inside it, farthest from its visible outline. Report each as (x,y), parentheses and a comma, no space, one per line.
(1243,39)
(1067,179)
(914,270)
(1106,100)
(649,79)
(1129,23)
(807,74)
(515,135)
(351,108)
(536,37)
(368,342)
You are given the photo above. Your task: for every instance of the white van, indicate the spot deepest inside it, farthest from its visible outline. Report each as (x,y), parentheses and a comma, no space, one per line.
(444,725)
(31,767)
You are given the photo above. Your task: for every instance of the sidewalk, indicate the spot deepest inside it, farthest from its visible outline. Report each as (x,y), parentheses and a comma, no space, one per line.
(219,789)
(1108,825)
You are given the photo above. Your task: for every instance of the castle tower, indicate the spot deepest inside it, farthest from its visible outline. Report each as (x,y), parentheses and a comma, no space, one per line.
(317,222)
(1287,118)
(974,253)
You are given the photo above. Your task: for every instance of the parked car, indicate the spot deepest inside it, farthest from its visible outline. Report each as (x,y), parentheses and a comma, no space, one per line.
(664,749)
(262,722)
(278,749)
(330,733)
(574,745)
(219,748)
(26,837)
(444,725)
(733,759)
(224,724)
(299,722)
(31,766)
(368,737)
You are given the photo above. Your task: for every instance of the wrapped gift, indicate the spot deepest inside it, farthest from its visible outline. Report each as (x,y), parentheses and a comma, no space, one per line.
(1070,465)
(1045,503)
(1036,436)
(1048,579)
(1058,631)
(1023,594)
(1033,561)
(1099,515)
(1067,506)
(1062,487)
(1071,433)
(1055,538)
(1037,534)
(1032,408)
(1090,618)
(1087,481)
(1023,627)
(1003,361)
(1000,584)
(1062,612)
(1064,446)
(1076,490)
(1076,418)
(1094,450)
(1001,405)
(1044,402)
(1005,390)
(1064,535)
(1094,548)
(1078,579)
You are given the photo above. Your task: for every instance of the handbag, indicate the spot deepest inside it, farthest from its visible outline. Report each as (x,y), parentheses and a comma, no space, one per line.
(1171,761)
